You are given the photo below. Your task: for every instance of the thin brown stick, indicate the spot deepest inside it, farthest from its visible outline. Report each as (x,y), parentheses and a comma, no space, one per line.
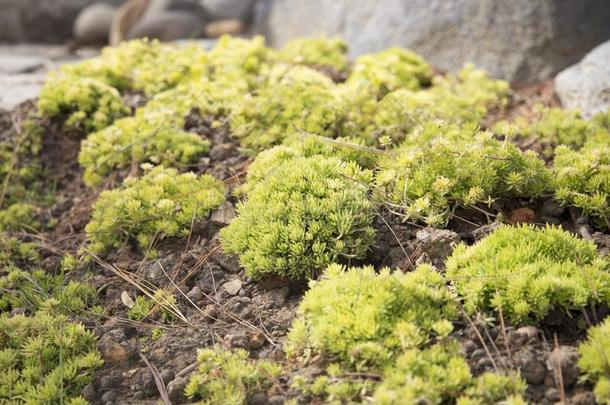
(158,380)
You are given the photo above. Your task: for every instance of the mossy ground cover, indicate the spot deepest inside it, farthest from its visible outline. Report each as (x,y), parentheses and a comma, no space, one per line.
(244,207)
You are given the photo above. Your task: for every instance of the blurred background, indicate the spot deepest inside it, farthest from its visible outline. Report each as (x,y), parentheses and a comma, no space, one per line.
(522,41)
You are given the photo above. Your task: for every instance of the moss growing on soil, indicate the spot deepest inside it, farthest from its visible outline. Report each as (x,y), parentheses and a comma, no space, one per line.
(162,203)
(363,319)
(316,52)
(459,99)
(389,70)
(553,127)
(582,179)
(229,377)
(305,214)
(147,66)
(443,167)
(594,360)
(527,272)
(151,136)
(45,359)
(84,104)
(300,99)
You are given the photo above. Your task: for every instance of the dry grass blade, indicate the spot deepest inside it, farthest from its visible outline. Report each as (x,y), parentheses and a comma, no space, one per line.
(148,290)
(158,380)
(229,313)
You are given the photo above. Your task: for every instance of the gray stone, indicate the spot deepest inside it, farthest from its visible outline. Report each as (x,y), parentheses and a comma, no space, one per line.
(565,358)
(41,21)
(168,26)
(229,9)
(519,40)
(586,85)
(224,214)
(175,389)
(15,89)
(167,376)
(92,26)
(14,64)
(437,243)
(232,287)
(110,396)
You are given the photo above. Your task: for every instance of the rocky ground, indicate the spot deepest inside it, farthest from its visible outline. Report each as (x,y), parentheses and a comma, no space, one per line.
(217,304)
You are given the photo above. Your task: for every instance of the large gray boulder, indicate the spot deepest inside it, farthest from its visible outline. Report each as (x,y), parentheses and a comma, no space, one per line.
(517,40)
(44,21)
(586,85)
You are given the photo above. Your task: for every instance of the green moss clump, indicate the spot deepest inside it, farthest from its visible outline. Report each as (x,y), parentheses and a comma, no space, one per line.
(441,167)
(19,217)
(582,179)
(14,252)
(305,214)
(527,272)
(87,104)
(493,388)
(459,99)
(594,360)
(391,69)
(429,376)
(19,163)
(306,146)
(45,359)
(149,136)
(437,374)
(229,377)
(300,99)
(364,319)
(38,290)
(317,52)
(239,62)
(162,203)
(554,127)
(143,65)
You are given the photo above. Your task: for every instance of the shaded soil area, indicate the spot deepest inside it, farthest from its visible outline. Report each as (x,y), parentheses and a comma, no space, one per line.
(217,304)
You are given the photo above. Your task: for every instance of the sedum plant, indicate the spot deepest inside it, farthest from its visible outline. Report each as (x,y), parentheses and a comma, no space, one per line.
(306,213)
(441,167)
(239,62)
(439,374)
(151,136)
(45,359)
(389,70)
(316,52)
(84,103)
(364,319)
(594,360)
(582,180)
(527,272)
(554,127)
(14,252)
(460,99)
(19,217)
(162,203)
(299,100)
(229,377)
(38,290)
(143,65)
(494,388)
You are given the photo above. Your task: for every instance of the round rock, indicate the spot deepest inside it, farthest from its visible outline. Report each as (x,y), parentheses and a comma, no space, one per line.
(92,26)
